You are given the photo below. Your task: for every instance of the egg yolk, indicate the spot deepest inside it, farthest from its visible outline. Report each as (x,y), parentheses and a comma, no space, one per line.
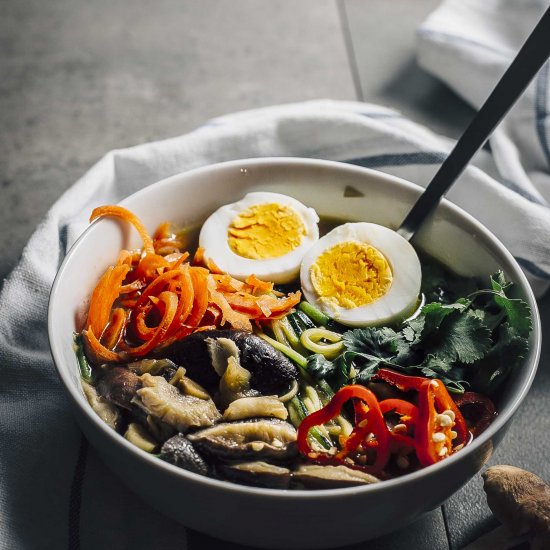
(351,274)
(265,231)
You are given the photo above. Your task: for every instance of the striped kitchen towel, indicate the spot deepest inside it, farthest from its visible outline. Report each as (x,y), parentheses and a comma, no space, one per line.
(468,44)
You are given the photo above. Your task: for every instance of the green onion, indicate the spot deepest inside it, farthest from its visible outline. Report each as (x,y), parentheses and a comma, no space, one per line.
(315,433)
(300,360)
(313,313)
(85,369)
(327,393)
(294,415)
(293,340)
(278,333)
(313,397)
(295,324)
(304,319)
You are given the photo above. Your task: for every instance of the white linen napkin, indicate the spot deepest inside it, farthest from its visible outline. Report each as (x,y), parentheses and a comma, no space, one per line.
(468,44)
(54,492)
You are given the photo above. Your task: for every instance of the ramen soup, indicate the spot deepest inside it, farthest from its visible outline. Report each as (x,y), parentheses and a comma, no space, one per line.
(281,351)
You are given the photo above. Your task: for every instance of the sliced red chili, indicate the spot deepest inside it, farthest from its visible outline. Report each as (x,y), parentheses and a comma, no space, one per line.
(369,420)
(478,410)
(408,415)
(400,406)
(402,382)
(434,435)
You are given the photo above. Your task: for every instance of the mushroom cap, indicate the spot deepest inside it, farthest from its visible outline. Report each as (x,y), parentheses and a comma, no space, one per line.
(520,500)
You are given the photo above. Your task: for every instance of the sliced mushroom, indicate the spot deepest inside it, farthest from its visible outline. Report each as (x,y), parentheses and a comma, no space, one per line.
(235,383)
(190,387)
(261,439)
(520,500)
(153,366)
(315,476)
(253,407)
(220,350)
(178,450)
(165,402)
(140,437)
(258,474)
(159,429)
(271,372)
(103,408)
(119,386)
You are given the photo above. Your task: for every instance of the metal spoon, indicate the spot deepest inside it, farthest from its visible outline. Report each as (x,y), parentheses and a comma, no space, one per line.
(524,67)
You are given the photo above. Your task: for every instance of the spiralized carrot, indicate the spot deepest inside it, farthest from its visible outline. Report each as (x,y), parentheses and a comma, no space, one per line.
(97,352)
(124,214)
(199,277)
(104,296)
(153,297)
(170,301)
(186,297)
(115,329)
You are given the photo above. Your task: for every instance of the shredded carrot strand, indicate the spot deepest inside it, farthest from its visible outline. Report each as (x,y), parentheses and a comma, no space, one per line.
(186,297)
(104,296)
(124,214)
(170,300)
(199,278)
(115,329)
(234,318)
(158,297)
(97,351)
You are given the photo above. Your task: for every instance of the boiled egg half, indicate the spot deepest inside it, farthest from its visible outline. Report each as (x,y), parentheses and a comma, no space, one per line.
(362,274)
(265,234)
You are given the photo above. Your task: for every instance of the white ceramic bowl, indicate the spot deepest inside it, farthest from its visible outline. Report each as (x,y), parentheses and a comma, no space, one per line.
(276,518)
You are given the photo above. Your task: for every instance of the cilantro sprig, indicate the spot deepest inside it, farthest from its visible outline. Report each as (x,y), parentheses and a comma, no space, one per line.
(475,341)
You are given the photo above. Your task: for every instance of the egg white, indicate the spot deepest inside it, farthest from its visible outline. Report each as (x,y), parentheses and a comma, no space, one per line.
(402,296)
(282,269)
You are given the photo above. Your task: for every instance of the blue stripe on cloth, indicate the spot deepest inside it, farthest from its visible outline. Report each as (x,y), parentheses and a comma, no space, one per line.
(523,192)
(428,158)
(63,241)
(533,268)
(541,109)
(399,159)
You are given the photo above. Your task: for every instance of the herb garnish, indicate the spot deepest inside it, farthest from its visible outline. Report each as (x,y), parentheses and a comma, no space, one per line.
(473,342)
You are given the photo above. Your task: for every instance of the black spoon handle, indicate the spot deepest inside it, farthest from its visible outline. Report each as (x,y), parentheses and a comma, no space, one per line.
(524,67)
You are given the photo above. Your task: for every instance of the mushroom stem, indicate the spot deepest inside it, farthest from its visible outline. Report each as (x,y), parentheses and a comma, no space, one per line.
(520,500)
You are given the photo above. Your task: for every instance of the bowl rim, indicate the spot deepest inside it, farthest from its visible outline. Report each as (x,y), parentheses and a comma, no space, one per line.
(484,234)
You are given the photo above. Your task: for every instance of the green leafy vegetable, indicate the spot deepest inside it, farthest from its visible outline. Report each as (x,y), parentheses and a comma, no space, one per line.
(474,341)
(85,369)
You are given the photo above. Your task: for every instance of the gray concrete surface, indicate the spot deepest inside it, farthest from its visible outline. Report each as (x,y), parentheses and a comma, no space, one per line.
(80,78)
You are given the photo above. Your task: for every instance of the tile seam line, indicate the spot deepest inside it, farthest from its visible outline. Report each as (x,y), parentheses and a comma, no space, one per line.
(350,50)
(446,525)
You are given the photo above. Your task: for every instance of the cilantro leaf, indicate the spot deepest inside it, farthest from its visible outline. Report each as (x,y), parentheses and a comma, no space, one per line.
(506,355)
(475,341)
(517,311)
(450,375)
(462,338)
(434,314)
